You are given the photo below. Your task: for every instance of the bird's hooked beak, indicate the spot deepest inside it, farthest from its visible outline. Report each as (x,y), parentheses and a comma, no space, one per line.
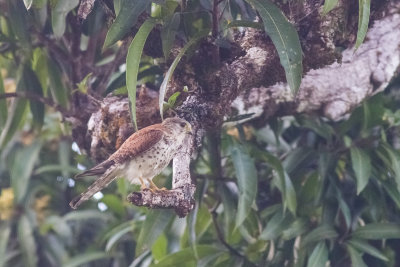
(188,128)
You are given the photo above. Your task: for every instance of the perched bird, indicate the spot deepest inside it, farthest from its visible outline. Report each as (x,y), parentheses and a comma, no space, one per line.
(141,157)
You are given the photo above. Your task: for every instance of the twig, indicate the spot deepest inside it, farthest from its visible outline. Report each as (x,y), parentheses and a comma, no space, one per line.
(44,100)
(107,10)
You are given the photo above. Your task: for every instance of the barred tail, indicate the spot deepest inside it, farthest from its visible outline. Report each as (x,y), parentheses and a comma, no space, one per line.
(99,184)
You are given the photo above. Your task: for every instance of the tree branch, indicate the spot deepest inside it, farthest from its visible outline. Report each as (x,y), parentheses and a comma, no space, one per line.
(44,100)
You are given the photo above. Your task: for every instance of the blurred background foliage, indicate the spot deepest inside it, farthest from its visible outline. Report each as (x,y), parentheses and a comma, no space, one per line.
(298,191)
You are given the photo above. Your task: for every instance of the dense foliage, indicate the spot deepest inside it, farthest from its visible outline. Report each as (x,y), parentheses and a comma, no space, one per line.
(296,191)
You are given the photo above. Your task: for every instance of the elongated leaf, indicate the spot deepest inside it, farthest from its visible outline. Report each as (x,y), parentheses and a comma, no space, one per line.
(117,236)
(127,18)
(27,242)
(285,39)
(320,233)
(187,256)
(22,168)
(59,14)
(355,257)
(363,246)
(15,119)
(3,106)
(87,215)
(278,223)
(57,88)
(5,231)
(153,226)
(18,21)
(168,33)
(319,256)
(378,231)
(246,175)
(132,63)
(361,163)
(39,66)
(159,249)
(31,84)
(385,152)
(168,75)
(81,259)
(329,5)
(363,20)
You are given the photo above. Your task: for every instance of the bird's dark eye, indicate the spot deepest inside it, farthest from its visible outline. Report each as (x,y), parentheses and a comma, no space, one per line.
(182,124)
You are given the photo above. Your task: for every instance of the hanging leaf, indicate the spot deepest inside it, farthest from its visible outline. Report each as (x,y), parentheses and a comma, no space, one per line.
(168,75)
(329,5)
(319,256)
(246,175)
(132,63)
(153,226)
(363,246)
(378,231)
(320,233)
(285,39)
(126,19)
(22,168)
(82,259)
(361,163)
(30,83)
(363,20)
(59,15)
(5,231)
(355,256)
(27,242)
(15,119)
(57,88)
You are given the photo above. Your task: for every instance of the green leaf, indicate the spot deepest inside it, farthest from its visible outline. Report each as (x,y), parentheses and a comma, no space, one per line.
(3,105)
(387,153)
(5,231)
(114,203)
(83,85)
(319,256)
(82,215)
(21,170)
(59,14)
(356,259)
(363,20)
(378,231)
(28,4)
(320,233)
(127,18)
(132,63)
(27,242)
(56,168)
(275,226)
(168,75)
(153,226)
(39,66)
(15,119)
(187,256)
(57,87)
(329,5)
(297,228)
(159,249)
(168,33)
(81,259)
(363,246)
(32,85)
(118,235)
(361,163)
(246,175)
(18,21)
(285,39)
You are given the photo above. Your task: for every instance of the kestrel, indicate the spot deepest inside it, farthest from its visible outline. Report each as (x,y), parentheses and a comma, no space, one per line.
(141,157)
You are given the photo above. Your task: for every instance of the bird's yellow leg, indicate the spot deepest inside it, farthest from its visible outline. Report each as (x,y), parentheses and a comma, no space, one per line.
(154,187)
(142,184)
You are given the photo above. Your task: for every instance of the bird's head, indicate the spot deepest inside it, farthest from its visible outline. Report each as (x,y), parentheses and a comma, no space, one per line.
(178,126)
